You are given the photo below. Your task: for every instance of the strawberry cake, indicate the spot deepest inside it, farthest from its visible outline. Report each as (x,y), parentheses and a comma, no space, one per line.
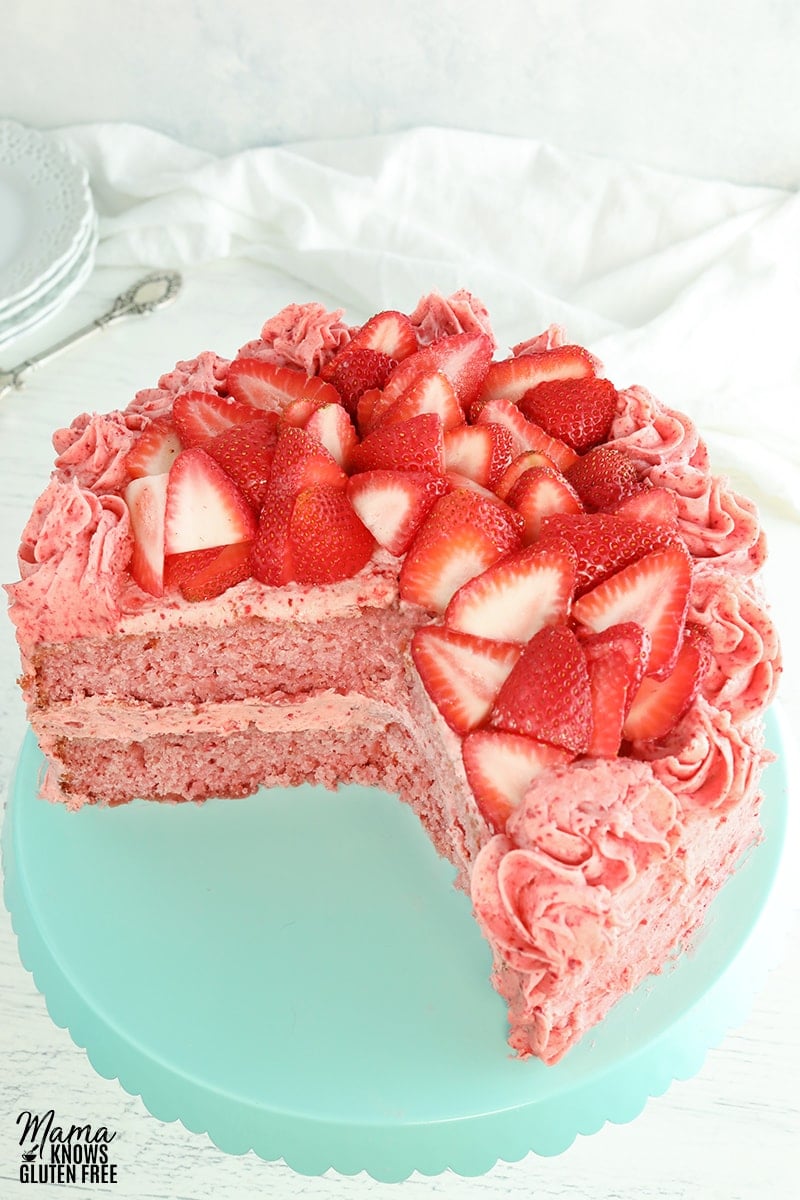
(494,584)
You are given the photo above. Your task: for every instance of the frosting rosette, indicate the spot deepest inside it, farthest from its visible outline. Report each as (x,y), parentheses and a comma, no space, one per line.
(546,891)
(714,521)
(705,761)
(438,316)
(206,373)
(549,339)
(92,449)
(650,432)
(609,817)
(72,558)
(745,650)
(540,915)
(303,336)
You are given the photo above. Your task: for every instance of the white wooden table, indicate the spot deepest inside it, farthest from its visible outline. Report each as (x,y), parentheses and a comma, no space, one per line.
(730,1133)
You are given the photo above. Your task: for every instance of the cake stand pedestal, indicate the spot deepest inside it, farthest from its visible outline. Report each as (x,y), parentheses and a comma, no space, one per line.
(295,974)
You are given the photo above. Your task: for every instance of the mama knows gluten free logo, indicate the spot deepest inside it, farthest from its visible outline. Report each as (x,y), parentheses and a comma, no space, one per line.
(53,1153)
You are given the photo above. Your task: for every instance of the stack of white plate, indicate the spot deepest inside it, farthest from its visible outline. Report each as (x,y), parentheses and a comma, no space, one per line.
(48,229)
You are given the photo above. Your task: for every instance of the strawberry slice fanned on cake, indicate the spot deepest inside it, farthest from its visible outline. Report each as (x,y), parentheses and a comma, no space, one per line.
(500,587)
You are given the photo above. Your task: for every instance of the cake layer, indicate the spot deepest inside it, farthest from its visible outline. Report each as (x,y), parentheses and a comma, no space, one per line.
(255,658)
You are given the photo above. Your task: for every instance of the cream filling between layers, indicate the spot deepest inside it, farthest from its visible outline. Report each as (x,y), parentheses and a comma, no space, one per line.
(98,718)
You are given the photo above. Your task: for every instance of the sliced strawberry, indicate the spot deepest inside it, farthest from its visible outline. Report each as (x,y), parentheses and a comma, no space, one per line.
(500,768)
(513,377)
(272,560)
(146,498)
(616,660)
(297,412)
(481,452)
(154,450)
(204,507)
(393,504)
(577,411)
(463,534)
(604,477)
(606,542)
(245,453)
(539,493)
(463,483)
(382,406)
(461,674)
(652,591)
(525,434)
(517,596)
(358,369)
(204,574)
(180,567)
(430,393)
(370,401)
(389,333)
(199,416)
(301,461)
(517,467)
(413,445)
(657,505)
(327,540)
(659,704)
(547,696)
(463,357)
(332,426)
(267,386)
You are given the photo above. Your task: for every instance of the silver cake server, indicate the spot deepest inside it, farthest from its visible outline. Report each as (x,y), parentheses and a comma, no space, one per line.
(151,292)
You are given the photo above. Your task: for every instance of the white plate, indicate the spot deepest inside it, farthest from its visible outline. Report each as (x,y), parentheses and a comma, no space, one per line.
(48,303)
(46,211)
(49,282)
(18,313)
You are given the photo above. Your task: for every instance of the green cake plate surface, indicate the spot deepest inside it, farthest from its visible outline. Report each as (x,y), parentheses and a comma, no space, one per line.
(295,974)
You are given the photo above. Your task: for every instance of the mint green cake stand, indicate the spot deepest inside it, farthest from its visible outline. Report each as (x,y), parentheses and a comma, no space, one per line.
(294,974)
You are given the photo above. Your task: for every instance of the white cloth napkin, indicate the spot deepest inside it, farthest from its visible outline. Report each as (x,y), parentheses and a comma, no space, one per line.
(690,287)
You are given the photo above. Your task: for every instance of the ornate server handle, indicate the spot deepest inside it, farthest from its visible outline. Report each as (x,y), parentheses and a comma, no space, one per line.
(150,293)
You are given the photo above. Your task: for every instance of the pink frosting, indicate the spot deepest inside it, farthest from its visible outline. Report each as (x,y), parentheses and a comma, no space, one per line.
(304,336)
(552,337)
(436,316)
(651,433)
(705,761)
(602,815)
(73,558)
(540,916)
(545,891)
(91,450)
(746,656)
(715,522)
(206,373)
